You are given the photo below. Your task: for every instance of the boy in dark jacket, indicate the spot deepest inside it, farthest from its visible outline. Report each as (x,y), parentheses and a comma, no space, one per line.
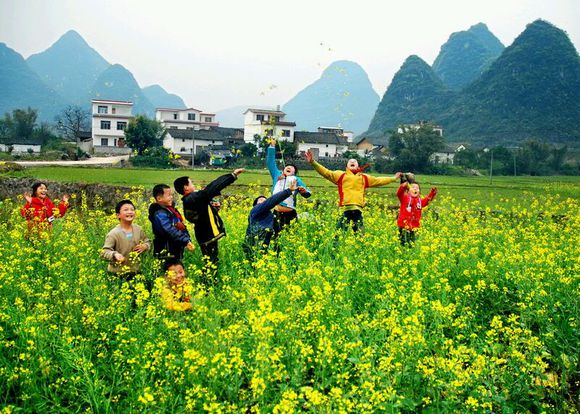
(261,221)
(198,209)
(171,235)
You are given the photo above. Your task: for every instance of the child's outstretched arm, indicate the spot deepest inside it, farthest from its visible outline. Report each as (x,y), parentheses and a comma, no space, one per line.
(331,176)
(380,181)
(425,202)
(271,160)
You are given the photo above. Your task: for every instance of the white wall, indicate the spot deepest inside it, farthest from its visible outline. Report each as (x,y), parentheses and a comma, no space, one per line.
(20,148)
(323,149)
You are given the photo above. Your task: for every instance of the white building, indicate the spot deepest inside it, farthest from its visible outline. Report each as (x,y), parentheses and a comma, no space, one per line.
(189,118)
(19,146)
(447,154)
(182,141)
(267,122)
(436,128)
(349,135)
(321,144)
(110,118)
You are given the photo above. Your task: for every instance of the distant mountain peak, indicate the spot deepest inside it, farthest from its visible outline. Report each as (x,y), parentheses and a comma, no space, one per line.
(69,66)
(343,95)
(466,55)
(160,98)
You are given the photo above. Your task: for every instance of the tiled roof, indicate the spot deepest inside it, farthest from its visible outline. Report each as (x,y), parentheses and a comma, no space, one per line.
(212,134)
(265,111)
(319,138)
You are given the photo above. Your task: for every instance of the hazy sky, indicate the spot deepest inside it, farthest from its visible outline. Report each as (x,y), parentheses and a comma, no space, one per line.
(217,54)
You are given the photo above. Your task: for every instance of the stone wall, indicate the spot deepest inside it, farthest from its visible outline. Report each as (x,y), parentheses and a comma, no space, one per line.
(110,195)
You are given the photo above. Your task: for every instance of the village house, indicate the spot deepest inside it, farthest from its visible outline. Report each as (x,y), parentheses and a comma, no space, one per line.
(447,154)
(109,120)
(189,118)
(264,122)
(21,145)
(183,141)
(321,143)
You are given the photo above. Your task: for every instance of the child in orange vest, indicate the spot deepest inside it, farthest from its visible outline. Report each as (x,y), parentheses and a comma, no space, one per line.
(352,184)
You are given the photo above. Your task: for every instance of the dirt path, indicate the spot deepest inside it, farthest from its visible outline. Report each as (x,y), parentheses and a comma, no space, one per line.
(90,161)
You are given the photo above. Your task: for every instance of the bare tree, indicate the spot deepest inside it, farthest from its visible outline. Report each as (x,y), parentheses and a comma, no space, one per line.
(72,120)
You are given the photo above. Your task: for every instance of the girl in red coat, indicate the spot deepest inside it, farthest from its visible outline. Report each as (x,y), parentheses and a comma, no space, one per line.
(410,212)
(39,210)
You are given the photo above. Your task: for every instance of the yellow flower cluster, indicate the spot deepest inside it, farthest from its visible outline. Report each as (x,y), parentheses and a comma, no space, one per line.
(479,316)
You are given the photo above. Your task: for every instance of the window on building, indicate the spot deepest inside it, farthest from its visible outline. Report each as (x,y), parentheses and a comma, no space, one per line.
(259,117)
(326,145)
(113,110)
(276,119)
(182,149)
(285,132)
(105,124)
(269,132)
(115,142)
(191,117)
(326,154)
(104,142)
(208,119)
(175,116)
(121,126)
(173,127)
(102,109)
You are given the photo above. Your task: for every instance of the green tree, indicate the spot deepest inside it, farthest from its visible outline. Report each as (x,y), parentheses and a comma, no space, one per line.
(557,157)
(142,133)
(412,147)
(20,124)
(248,150)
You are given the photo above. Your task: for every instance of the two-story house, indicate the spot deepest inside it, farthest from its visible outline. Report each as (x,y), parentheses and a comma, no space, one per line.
(189,118)
(266,122)
(109,120)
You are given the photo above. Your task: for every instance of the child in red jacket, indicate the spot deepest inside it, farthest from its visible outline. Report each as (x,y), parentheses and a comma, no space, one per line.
(39,211)
(410,212)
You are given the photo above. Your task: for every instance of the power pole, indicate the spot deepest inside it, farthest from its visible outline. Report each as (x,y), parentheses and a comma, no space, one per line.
(192,147)
(491,166)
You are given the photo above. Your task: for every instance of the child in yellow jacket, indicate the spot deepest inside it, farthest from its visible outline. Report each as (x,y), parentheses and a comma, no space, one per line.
(352,184)
(176,292)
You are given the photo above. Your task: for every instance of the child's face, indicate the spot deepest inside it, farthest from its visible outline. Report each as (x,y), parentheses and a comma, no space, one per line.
(189,188)
(414,190)
(352,164)
(289,170)
(167,198)
(41,191)
(176,274)
(126,213)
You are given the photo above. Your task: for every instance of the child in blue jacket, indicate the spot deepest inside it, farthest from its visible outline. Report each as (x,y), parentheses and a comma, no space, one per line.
(285,210)
(261,221)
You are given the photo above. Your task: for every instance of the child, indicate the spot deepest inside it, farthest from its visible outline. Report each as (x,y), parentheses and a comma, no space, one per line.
(39,211)
(410,212)
(261,221)
(176,292)
(352,184)
(285,211)
(125,242)
(171,235)
(198,209)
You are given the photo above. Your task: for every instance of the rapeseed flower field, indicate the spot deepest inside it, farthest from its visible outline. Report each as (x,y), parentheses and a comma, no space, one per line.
(480,316)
